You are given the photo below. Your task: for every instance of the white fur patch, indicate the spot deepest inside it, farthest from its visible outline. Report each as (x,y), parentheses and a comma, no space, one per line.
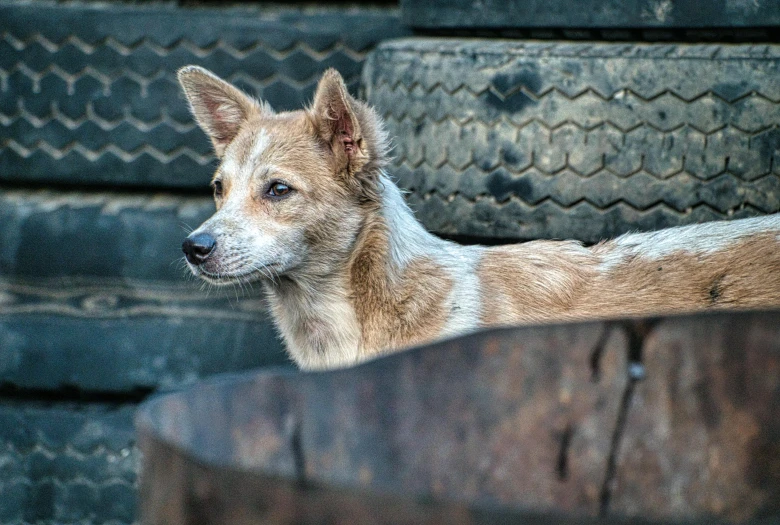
(408,239)
(323,335)
(464,300)
(702,239)
(261,143)
(229,165)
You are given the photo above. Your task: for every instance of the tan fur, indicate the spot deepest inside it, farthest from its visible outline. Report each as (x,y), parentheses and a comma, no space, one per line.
(745,275)
(350,274)
(533,282)
(395,311)
(547,281)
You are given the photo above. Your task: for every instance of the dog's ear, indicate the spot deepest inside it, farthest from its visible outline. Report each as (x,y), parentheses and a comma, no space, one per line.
(337,123)
(219,108)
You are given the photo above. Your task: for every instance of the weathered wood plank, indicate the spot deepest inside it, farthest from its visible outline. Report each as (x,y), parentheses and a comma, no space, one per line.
(702,435)
(508,425)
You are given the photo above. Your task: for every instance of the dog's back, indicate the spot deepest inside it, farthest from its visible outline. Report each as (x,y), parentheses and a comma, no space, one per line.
(715,265)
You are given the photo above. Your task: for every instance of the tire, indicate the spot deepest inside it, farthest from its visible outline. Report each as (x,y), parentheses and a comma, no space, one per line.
(67,463)
(509,140)
(92,297)
(89,96)
(503,14)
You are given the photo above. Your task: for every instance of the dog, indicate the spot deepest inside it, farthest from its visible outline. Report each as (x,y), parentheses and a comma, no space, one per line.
(305,206)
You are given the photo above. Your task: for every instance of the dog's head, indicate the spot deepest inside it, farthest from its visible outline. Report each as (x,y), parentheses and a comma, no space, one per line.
(291,189)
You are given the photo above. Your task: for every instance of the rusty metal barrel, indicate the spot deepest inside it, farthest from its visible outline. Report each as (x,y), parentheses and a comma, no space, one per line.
(672,419)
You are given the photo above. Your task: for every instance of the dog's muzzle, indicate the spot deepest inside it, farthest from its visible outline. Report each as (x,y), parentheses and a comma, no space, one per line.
(197,248)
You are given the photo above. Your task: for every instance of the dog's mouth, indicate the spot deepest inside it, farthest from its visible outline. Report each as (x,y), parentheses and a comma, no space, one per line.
(267,272)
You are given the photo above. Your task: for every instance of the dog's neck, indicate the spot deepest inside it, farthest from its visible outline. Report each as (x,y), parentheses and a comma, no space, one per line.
(336,317)
(407,240)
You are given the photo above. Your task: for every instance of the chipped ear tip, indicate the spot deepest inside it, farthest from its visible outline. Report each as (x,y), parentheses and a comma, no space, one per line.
(186,71)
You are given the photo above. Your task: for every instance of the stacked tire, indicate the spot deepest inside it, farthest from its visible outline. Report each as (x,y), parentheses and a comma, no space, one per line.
(102,173)
(501,139)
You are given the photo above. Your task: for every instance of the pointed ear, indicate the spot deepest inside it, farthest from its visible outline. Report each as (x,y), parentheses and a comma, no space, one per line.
(337,123)
(218,107)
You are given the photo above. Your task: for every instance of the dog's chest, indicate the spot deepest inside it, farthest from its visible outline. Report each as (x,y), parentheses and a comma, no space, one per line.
(320,328)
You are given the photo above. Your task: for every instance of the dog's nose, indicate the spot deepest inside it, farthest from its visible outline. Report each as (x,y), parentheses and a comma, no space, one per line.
(197,248)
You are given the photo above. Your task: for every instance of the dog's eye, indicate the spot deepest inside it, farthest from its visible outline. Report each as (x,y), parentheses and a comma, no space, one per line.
(278,189)
(217,184)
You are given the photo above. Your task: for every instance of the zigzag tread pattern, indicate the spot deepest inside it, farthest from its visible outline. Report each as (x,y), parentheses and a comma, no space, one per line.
(93,99)
(53,47)
(484,217)
(505,92)
(535,144)
(67,464)
(681,192)
(109,72)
